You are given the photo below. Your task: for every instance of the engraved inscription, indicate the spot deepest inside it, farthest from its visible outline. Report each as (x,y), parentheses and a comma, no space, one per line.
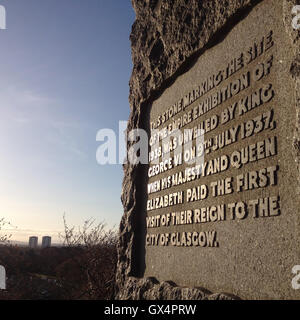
(233,111)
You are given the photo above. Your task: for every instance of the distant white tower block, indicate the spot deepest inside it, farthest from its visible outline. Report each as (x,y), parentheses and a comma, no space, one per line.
(33,242)
(2,278)
(46,242)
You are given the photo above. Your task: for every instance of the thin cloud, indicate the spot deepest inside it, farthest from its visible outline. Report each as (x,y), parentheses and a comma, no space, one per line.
(24,234)
(21,120)
(20,98)
(27,107)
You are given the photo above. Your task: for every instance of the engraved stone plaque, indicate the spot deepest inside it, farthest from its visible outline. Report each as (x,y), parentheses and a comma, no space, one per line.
(224,211)
(217,207)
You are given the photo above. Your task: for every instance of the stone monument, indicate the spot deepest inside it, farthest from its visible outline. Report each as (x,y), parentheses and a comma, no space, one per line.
(219,219)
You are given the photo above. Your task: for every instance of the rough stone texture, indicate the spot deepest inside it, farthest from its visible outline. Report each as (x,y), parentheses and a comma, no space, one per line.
(151,289)
(166,37)
(295,72)
(168,33)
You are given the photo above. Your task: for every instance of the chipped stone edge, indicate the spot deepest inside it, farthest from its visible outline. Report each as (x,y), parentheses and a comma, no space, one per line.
(295,74)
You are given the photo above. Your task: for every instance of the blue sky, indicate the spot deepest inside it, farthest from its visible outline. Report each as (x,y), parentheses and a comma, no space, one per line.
(65,67)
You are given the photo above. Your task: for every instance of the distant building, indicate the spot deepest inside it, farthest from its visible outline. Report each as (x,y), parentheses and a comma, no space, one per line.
(46,242)
(33,242)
